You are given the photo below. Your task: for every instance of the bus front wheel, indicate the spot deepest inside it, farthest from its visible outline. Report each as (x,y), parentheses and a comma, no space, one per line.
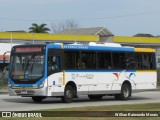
(125,93)
(68,94)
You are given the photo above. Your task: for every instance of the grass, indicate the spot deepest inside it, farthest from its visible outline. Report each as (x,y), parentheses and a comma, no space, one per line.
(84,118)
(123,108)
(132,107)
(158,76)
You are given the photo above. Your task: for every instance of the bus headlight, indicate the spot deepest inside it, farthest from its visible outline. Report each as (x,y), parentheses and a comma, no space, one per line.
(42,84)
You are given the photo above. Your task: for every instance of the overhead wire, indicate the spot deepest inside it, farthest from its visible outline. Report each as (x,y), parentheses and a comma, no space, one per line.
(83,19)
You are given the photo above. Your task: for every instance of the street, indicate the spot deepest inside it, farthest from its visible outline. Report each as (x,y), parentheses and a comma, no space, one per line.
(16,103)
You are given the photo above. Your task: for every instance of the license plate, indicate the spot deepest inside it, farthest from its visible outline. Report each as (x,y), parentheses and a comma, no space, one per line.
(24,92)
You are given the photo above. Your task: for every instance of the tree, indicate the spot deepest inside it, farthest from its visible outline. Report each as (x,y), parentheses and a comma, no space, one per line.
(68,24)
(143,35)
(39,28)
(3,77)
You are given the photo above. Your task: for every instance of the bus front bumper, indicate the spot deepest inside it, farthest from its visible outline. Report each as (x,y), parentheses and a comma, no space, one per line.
(27,92)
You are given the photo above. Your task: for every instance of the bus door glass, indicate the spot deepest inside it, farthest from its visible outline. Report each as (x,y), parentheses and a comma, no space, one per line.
(54,61)
(54,68)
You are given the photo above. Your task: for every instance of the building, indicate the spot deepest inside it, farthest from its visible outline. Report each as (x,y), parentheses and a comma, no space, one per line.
(22,37)
(97,34)
(106,36)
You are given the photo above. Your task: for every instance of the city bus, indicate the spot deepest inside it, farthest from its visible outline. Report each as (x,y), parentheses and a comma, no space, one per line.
(69,70)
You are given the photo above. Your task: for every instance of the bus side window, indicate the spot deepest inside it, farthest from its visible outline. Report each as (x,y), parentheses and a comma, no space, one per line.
(53,63)
(131,63)
(104,60)
(83,62)
(119,60)
(152,61)
(145,61)
(71,59)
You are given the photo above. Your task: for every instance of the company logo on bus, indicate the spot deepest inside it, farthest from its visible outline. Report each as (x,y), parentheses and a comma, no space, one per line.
(88,76)
(129,76)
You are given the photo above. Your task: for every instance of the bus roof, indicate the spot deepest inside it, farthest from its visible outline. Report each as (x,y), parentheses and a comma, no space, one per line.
(91,46)
(99,47)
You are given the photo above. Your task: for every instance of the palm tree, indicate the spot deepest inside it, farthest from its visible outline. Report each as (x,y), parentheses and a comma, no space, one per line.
(39,28)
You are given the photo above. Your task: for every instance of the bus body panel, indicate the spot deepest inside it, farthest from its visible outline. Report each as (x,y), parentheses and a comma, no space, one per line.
(27,92)
(55,84)
(107,83)
(147,82)
(89,81)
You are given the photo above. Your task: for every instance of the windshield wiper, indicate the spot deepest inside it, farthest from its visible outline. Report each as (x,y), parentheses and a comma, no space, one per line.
(32,66)
(26,64)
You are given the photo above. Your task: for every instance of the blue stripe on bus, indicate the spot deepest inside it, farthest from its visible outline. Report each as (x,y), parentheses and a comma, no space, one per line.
(80,47)
(83,47)
(19,85)
(56,46)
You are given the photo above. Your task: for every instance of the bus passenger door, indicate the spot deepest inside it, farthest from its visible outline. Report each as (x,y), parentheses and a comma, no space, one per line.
(55,74)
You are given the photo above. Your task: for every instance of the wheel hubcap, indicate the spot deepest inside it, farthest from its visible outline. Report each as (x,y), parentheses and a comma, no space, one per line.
(126,92)
(69,94)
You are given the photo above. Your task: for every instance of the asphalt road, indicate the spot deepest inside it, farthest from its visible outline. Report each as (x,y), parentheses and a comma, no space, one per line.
(16,103)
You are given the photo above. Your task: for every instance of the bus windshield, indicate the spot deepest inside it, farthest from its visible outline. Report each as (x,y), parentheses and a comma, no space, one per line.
(26,66)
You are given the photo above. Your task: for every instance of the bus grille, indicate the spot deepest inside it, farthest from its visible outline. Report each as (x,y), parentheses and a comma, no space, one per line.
(28,92)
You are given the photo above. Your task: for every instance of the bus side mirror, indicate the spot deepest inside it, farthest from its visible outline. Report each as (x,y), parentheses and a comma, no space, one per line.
(4,57)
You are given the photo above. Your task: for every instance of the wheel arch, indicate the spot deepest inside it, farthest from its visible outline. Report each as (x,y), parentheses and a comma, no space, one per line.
(127,82)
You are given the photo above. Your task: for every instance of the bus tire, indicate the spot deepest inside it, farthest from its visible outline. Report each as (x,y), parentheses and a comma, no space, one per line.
(38,98)
(125,93)
(95,97)
(68,94)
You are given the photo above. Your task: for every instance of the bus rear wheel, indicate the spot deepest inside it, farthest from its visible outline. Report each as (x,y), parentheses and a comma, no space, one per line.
(95,97)
(68,94)
(38,98)
(125,93)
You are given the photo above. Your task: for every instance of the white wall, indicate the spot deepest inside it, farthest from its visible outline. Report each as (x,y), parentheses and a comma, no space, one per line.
(6,47)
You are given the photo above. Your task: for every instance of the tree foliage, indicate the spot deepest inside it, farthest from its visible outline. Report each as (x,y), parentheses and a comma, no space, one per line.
(39,28)
(143,35)
(3,78)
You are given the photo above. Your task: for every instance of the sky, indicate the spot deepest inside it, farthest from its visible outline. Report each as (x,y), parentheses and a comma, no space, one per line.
(121,17)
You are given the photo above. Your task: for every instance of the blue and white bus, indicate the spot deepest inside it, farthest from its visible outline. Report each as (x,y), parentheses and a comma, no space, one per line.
(71,70)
